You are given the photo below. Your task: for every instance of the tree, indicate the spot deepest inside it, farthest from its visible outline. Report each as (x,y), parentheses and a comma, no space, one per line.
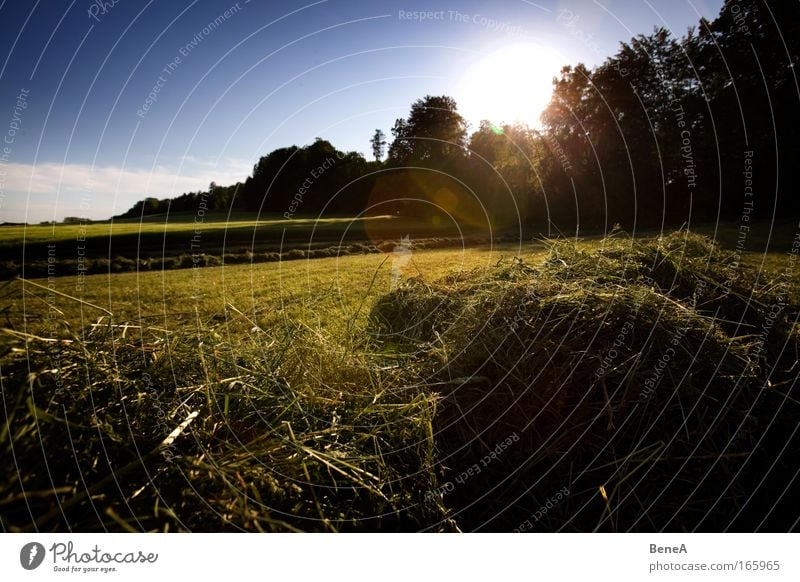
(624,128)
(378,142)
(434,133)
(400,150)
(273,176)
(659,134)
(502,171)
(748,59)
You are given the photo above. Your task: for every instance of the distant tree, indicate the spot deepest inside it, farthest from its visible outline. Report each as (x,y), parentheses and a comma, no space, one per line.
(434,133)
(307,180)
(502,171)
(151,206)
(378,142)
(220,196)
(400,150)
(272,175)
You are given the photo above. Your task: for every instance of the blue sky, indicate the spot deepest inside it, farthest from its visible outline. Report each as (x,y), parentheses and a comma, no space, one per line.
(228,82)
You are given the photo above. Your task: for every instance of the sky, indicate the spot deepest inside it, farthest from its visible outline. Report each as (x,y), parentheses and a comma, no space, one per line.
(105,102)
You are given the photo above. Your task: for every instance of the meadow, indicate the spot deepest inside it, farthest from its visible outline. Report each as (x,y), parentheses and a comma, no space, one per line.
(163,225)
(455,390)
(459,331)
(185,240)
(320,292)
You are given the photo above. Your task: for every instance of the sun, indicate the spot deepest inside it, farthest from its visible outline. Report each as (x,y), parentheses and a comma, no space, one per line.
(511,84)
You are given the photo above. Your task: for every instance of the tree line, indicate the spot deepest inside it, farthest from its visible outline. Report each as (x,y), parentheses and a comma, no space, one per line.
(667,130)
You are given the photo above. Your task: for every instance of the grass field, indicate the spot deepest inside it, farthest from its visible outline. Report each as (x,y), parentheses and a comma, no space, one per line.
(180,241)
(11,235)
(212,233)
(266,397)
(310,313)
(324,292)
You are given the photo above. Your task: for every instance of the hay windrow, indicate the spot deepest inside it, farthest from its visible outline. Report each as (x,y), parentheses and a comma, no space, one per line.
(596,354)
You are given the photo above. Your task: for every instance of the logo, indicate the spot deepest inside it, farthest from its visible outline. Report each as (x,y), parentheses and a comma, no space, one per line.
(31,555)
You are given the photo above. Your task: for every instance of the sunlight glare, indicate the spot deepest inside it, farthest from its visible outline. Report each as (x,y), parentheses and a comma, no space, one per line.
(512,84)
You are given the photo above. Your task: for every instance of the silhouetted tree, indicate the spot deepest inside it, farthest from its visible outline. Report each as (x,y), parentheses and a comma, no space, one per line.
(502,171)
(378,143)
(434,133)
(660,132)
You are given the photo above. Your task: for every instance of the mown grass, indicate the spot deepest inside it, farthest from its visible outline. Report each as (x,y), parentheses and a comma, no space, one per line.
(177,243)
(187,432)
(281,423)
(319,293)
(654,380)
(210,224)
(209,234)
(269,397)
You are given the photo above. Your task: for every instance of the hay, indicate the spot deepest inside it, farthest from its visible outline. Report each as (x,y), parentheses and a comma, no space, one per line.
(267,447)
(639,366)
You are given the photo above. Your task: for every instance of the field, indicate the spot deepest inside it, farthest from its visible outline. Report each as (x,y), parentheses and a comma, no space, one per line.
(314,395)
(162,225)
(321,292)
(325,292)
(246,309)
(187,240)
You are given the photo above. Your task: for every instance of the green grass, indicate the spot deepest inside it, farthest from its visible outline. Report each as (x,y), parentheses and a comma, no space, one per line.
(212,224)
(216,230)
(179,243)
(321,292)
(289,411)
(646,367)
